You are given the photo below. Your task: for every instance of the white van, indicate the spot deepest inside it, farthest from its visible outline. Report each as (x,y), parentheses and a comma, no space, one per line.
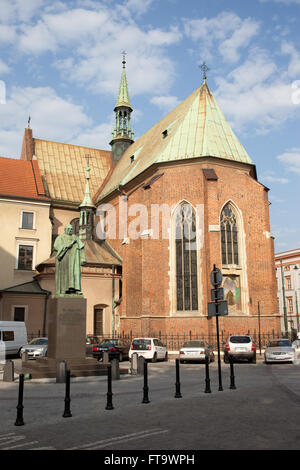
(13,335)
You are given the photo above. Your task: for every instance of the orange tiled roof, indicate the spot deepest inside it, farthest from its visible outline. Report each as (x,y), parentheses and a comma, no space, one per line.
(64,168)
(19,178)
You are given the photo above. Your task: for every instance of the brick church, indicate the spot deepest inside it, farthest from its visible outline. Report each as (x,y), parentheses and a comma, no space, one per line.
(156,214)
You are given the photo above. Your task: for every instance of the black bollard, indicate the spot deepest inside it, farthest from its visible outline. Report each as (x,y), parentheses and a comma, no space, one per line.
(177,384)
(207,379)
(146,388)
(19,420)
(232,381)
(109,405)
(67,411)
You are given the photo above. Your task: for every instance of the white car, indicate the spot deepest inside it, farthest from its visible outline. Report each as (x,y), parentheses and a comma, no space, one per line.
(195,351)
(150,348)
(38,347)
(279,350)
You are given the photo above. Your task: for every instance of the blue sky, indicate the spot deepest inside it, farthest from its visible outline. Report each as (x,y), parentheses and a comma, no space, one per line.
(60,62)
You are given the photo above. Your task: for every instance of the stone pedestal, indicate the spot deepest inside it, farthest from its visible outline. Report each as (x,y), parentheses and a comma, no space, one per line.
(67,328)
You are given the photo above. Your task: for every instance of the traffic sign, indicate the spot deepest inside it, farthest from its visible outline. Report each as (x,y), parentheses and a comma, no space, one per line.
(217,294)
(219,309)
(216,277)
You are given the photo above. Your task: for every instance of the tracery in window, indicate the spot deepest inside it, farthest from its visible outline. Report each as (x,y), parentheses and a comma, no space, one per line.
(186,259)
(229,236)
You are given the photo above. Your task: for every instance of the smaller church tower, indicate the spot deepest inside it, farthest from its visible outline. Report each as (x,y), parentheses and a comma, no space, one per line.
(87,210)
(122,132)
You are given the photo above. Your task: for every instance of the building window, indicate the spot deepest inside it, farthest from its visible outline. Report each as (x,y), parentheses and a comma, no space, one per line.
(19,313)
(229,236)
(27,220)
(290,305)
(98,321)
(186,259)
(288,283)
(25,257)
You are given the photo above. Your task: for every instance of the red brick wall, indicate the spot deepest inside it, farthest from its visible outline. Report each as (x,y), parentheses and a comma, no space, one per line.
(146,262)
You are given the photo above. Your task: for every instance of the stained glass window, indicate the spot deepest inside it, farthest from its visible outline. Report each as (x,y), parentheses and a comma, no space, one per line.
(229,236)
(186,259)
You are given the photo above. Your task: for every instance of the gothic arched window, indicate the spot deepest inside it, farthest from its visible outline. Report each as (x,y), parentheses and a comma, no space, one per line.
(186,258)
(229,235)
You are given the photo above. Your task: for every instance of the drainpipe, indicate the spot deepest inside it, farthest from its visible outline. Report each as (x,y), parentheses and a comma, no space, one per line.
(45,314)
(112,301)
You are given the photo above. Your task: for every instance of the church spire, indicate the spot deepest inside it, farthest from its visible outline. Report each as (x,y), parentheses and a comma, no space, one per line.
(87,209)
(122,135)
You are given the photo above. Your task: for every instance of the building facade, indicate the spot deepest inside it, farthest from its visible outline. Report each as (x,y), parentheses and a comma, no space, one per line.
(288,289)
(156,215)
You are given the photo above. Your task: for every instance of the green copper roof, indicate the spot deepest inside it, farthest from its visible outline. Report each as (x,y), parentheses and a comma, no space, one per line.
(195,128)
(123,96)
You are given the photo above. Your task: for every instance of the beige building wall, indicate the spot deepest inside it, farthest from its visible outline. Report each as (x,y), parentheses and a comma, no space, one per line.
(97,288)
(12,235)
(62,217)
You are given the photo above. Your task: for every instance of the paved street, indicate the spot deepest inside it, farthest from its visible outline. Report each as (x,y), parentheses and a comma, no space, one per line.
(263,413)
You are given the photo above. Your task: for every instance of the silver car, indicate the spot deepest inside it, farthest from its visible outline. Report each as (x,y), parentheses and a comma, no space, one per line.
(195,350)
(37,347)
(279,350)
(240,347)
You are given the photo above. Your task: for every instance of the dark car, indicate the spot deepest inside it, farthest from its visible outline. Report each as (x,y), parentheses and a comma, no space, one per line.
(91,341)
(116,348)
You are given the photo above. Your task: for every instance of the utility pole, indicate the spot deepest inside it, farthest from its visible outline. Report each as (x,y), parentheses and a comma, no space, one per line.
(284,301)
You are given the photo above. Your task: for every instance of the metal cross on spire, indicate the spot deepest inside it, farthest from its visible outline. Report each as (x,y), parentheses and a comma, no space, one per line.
(29,121)
(204,69)
(124,58)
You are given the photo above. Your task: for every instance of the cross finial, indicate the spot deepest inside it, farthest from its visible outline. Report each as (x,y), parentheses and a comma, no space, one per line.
(29,121)
(88,165)
(124,59)
(204,69)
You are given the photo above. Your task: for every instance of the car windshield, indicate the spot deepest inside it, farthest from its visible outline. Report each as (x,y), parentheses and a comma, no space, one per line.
(281,342)
(240,339)
(140,344)
(107,344)
(194,344)
(39,341)
(92,340)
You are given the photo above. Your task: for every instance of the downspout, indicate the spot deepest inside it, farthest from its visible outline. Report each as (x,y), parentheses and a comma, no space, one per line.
(113,301)
(45,314)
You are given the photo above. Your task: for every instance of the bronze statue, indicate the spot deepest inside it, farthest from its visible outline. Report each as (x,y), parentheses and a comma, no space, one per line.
(70,257)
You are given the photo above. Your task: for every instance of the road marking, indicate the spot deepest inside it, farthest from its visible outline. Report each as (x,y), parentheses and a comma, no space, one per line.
(21,445)
(120,439)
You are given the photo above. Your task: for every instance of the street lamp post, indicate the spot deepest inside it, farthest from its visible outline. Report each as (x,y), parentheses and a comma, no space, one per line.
(284,301)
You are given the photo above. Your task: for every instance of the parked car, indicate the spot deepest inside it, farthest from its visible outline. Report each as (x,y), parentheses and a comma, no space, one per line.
(279,350)
(13,335)
(195,350)
(116,348)
(37,347)
(240,347)
(296,346)
(150,348)
(90,342)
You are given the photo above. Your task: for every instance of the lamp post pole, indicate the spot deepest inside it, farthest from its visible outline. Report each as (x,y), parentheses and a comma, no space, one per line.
(284,301)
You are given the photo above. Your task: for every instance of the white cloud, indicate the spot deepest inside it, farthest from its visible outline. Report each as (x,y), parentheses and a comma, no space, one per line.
(166,103)
(291,159)
(255,94)
(271,178)
(138,6)
(294,65)
(19,10)
(4,68)
(53,117)
(226,31)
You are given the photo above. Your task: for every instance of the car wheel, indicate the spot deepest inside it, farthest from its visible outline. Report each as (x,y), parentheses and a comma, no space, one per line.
(154,359)
(166,357)
(253,360)
(120,357)
(212,358)
(226,359)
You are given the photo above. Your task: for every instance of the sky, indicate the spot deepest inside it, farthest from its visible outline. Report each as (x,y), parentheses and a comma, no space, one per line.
(61,63)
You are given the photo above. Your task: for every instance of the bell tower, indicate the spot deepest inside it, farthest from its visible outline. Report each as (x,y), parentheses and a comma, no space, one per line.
(122,135)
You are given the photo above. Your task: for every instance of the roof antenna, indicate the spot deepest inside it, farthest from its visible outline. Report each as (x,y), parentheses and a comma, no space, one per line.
(204,69)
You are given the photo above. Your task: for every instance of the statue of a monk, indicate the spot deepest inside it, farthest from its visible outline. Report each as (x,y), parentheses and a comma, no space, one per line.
(69,258)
